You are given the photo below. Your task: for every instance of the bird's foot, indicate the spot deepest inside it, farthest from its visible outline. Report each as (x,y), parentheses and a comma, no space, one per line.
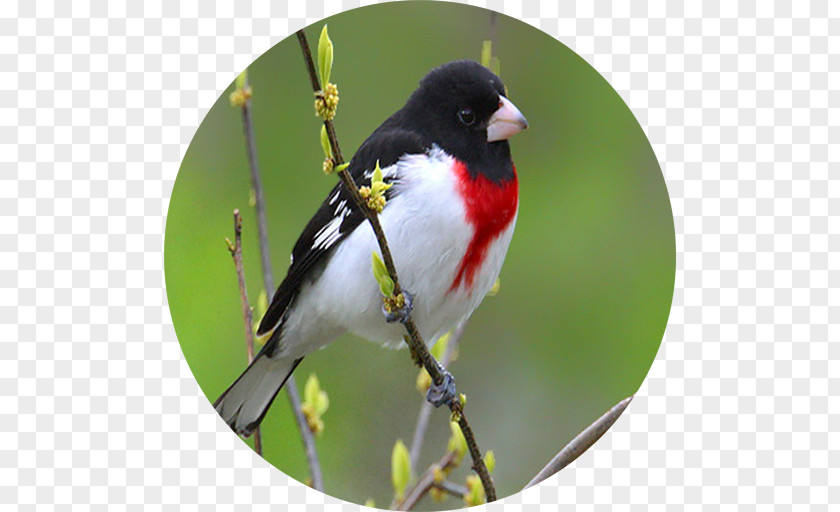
(398,308)
(443,393)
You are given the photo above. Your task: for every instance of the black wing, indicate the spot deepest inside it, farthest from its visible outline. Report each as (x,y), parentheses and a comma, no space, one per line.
(337,217)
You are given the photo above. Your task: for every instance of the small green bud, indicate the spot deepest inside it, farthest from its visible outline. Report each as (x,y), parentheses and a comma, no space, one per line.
(439,347)
(377,173)
(490,460)
(242,93)
(380,272)
(325,142)
(463,399)
(325,55)
(424,380)
(242,79)
(315,404)
(341,167)
(311,389)
(475,491)
(400,468)
(370,503)
(457,442)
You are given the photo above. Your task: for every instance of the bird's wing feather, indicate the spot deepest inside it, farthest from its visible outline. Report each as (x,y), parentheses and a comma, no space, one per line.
(337,217)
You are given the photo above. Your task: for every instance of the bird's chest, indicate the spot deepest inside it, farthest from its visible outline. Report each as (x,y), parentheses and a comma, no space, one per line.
(449,233)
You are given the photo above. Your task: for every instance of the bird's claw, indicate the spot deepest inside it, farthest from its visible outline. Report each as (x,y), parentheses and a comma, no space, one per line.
(443,393)
(399,314)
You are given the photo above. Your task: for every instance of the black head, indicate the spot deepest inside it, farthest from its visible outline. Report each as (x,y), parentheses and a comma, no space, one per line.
(461,107)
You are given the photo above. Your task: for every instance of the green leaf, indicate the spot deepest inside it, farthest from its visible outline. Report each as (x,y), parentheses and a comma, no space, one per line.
(457,443)
(380,272)
(440,347)
(325,56)
(242,79)
(377,174)
(339,168)
(490,460)
(311,390)
(486,53)
(400,468)
(325,142)
(322,403)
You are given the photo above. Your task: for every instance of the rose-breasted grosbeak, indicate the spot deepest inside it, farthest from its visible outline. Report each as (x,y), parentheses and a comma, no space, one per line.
(449,219)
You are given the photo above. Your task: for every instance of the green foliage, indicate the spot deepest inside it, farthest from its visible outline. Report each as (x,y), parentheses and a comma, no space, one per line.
(400,468)
(325,56)
(490,460)
(457,441)
(380,273)
(315,404)
(325,142)
(475,492)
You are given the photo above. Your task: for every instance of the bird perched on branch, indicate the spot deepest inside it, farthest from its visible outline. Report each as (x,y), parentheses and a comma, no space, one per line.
(449,217)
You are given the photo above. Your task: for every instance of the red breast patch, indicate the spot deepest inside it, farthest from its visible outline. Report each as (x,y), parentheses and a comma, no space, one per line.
(490,208)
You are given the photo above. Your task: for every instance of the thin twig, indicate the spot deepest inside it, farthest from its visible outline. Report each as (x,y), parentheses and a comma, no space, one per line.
(235,249)
(424,483)
(581,442)
(414,340)
(268,281)
(459,491)
(425,406)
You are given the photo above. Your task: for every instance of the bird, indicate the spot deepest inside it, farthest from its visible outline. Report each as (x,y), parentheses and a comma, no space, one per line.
(449,218)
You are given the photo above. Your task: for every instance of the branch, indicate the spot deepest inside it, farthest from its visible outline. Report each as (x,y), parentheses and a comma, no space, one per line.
(581,442)
(424,483)
(268,282)
(459,491)
(235,249)
(426,407)
(413,339)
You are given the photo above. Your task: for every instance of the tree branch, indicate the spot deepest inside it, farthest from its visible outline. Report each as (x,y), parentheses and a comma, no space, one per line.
(426,407)
(581,442)
(459,491)
(414,340)
(268,282)
(424,483)
(235,249)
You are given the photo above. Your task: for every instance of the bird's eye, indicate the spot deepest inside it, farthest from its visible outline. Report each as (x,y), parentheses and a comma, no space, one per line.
(466,116)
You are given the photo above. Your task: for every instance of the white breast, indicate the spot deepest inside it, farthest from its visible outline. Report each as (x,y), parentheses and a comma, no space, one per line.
(428,236)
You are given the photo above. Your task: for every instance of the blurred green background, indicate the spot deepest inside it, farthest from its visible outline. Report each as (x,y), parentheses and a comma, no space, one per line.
(586,288)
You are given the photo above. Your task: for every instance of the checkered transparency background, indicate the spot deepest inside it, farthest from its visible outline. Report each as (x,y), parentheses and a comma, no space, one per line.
(98,104)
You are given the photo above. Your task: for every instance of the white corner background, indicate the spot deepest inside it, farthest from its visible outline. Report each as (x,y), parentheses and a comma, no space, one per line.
(98,103)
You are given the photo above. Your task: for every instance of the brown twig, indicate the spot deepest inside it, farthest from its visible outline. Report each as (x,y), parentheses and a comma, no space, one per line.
(424,483)
(426,407)
(235,249)
(414,340)
(268,281)
(581,442)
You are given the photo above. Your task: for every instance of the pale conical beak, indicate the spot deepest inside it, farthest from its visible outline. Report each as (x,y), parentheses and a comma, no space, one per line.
(505,122)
